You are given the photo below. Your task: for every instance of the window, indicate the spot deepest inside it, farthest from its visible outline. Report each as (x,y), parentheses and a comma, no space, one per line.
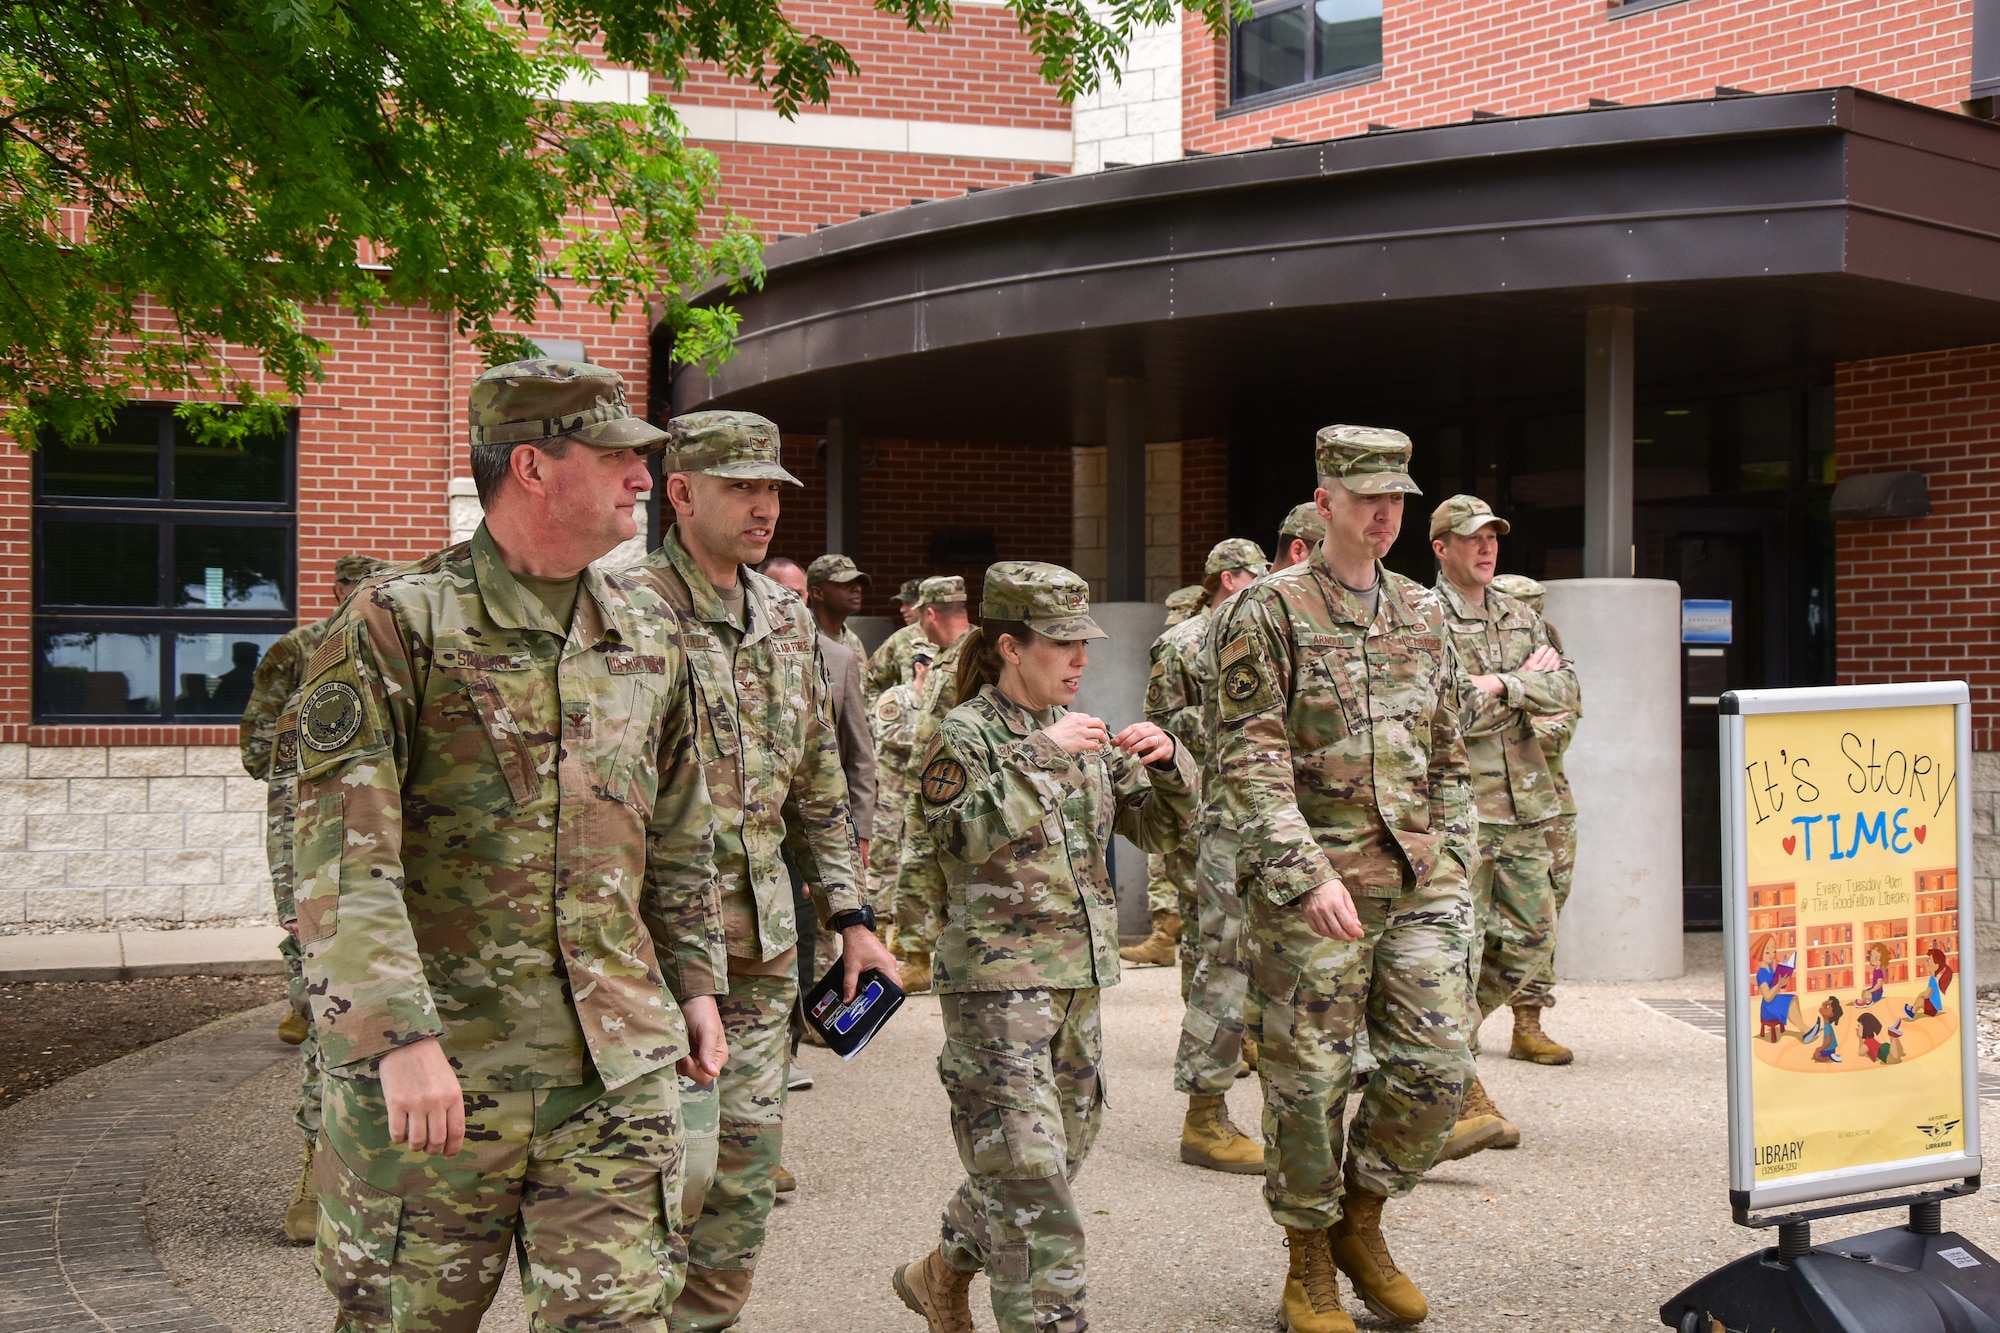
(1287,44)
(163,571)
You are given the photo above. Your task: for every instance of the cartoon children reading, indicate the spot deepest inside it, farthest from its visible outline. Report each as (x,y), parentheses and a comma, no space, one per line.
(1774,1002)
(1878,1045)
(1824,1032)
(1878,975)
(1940,981)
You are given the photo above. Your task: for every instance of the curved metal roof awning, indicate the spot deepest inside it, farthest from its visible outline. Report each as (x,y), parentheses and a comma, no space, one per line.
(1444,266)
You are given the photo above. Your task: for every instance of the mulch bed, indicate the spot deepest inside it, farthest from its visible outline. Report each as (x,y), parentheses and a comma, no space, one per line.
(50,1030)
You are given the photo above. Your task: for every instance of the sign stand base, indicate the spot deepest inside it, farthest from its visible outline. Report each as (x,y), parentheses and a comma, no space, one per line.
(1914,1279)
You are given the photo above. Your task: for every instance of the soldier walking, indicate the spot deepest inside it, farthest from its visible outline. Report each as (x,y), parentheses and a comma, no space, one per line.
(506,895)
(273,710)
(890,663)
(835,586)
(1337,728)
(942,617)
(765,731)
(1020,791)
(1515,675)
(1554,734)
(893,721)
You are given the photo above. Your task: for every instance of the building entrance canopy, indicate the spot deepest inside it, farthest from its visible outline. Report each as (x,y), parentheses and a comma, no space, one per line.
(1440,266)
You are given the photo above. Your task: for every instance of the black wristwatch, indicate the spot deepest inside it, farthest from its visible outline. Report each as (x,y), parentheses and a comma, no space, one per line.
(858,916)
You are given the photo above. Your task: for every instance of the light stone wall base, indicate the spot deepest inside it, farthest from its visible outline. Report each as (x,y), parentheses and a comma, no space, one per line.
(1986,841)
(159,833)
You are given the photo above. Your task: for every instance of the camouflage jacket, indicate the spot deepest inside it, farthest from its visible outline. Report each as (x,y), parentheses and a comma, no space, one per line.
(278,678)
(893,662)
(1173,689)
(893,721)
(920,885)
(503,836)
(765,729)
(1337,736)
(1511,782)
(1021,828)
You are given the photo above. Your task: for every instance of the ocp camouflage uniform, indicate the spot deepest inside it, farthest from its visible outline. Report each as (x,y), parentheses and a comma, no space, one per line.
(894,662)
(1021,829)
(504,843)
(1340,731)
(1514,792)
(274,687)
(765,731)
(894,721)
(920,886)
(1554,734)
(1174,704)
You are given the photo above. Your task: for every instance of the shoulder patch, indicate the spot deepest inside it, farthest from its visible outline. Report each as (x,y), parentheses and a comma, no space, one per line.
(331,652)
(285,749)
(943,780)
(1240,681)
(330,716)
(1234,651)
(888,710)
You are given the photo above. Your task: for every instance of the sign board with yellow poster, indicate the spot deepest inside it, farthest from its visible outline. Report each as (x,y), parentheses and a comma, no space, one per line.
(1847,824)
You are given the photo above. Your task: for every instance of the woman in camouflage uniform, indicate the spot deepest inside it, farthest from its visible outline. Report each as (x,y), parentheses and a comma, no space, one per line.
(1021,796)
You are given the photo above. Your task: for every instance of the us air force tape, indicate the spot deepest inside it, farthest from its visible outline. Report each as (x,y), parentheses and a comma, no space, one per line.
(943,780)
(331,715)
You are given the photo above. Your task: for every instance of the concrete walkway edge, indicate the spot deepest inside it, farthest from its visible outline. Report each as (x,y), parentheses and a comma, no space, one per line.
(124,954)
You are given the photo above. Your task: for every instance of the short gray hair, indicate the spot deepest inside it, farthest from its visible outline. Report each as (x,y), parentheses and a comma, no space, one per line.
(490,463)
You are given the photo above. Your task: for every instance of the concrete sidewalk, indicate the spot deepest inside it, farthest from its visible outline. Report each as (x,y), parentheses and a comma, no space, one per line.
(124,954)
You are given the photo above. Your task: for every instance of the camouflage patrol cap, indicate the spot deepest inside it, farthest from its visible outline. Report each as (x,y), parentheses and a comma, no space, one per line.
(1304,523)
(1048,599)
(738,445)
(1521,588)
(354,568)
(528,402)
(907,594)
(1182,603)
(1465,515)
(834,569)
(1235,553)
(1369,460)
(941,591)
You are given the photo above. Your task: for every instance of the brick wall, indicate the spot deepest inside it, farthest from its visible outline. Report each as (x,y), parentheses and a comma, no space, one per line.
(1204,504)
(912,488)
(1441,62)
(785,191)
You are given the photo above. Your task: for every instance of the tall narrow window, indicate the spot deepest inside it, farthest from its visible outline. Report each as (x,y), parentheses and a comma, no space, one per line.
(1985,49)
(163,571)
(1287,44)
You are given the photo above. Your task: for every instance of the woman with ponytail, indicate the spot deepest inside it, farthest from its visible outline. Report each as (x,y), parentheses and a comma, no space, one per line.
(1021,797)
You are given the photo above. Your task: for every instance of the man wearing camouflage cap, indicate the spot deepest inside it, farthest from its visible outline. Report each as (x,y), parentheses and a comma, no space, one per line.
(1182,603)
(273,691)
(1337,737)
(1211,1049)
(835,586)
(766,734)
(890,663)
(1555,734)
(893,721)
(942,616)
(506,894)
(1298,535)
(1514,674)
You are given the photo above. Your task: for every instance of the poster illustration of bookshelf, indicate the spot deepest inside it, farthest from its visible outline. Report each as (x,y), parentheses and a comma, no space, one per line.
(1774,937)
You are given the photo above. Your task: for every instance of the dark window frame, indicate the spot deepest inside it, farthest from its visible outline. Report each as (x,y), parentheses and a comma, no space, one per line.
(1618,9)
(1985,49)
(1313,85)
(162,620)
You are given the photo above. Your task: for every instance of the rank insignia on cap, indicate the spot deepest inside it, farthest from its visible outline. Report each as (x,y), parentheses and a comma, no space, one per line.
(943,780)
(331,716)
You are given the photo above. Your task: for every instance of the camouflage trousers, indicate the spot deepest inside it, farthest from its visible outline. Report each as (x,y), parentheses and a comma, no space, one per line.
(1404,984)
(584,1184)
(727,1212)
(884,860)
(1219,1009)
(309,1114)
(1514,902)
(1023,1070)
(1562,855)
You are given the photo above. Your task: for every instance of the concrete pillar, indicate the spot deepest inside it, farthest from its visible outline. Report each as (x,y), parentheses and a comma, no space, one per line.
(1125,489)
(843,488)
(1114,688)
(1623,921)
(1607,443)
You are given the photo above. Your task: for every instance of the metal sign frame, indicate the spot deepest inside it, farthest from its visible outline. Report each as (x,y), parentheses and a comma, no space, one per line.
(1745,1193)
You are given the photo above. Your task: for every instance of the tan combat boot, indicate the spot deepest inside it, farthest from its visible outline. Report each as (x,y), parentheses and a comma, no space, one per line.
(1210,1139)
(1311,1303)
(1360,1251)
(1531,1043)
(936,1290)
(302,1213)
(1249,1057)
(293,1028)
(1158,949)
(1480,1126)
(783,1181)
(916,971)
